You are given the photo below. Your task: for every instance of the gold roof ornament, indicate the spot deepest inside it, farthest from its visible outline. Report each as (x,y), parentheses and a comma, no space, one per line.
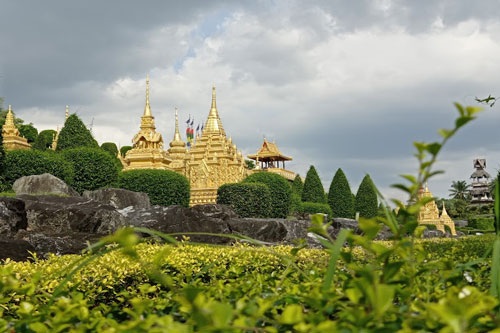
(269,151)
(67,112)
(213,126)
(12,139)
(177,141)
(147,107)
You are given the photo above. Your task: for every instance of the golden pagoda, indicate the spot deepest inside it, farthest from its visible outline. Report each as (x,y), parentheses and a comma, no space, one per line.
(268,159)
(212,161)
(147,145)
(429,213)
(12,139)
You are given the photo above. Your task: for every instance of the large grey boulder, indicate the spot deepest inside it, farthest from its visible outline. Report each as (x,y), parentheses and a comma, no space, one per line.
(119,198)
(42,184)
(266,230)
(461,223)
(12,216)
(15,249)
(54,215)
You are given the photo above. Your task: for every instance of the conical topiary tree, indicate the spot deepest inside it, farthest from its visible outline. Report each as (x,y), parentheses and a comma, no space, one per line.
(340,196)
(74,134)
(313,189)
(366,199)
(297,185)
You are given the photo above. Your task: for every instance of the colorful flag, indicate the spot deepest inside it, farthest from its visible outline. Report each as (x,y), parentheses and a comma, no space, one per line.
(189,119)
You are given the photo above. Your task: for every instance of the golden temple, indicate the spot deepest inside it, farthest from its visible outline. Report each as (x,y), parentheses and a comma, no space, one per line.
(213,159)
(268,159)
(429,213)
(12,139)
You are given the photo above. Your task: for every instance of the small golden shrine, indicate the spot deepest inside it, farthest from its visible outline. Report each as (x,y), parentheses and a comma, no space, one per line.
(212,161)
(268,159)
(429,213)
(12,139)
(147,145)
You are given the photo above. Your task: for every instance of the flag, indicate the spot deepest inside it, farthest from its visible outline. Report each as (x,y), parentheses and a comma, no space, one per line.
(202,127)
(198,128)
(189,119)
(192,122)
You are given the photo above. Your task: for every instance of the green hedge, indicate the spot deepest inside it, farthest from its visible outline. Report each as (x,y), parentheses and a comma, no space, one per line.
(75,134)
(340,196)
(366,199)
(247,200)
(481,223)
(20,163)
(313,190)
(44,140)
(281,192)
(314,208)
(163,187)
(93,168)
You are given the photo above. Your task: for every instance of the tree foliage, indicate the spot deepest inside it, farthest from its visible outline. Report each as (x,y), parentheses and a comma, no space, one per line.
(366,198)
(75,134)
(250,164)
(297,185)
(340,197)
(313,190)
(110,147)
(44,140)
(124,150)
(459,190)
(280,191)
(29,132)
(247,200)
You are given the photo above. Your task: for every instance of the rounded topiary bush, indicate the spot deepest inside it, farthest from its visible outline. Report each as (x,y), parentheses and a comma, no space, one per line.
(124,150)
(340,197)
(315,208)
(110,147)
(93,168)
(280,190)
(366,199)
(247,200)
(20,163)
(163,187)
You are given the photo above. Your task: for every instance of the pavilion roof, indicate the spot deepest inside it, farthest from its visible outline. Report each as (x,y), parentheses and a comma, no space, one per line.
(269,151)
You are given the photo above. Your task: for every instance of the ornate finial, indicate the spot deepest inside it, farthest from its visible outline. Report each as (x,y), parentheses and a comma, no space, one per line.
(147,108)
(214,106)
(10,108)
(67,112)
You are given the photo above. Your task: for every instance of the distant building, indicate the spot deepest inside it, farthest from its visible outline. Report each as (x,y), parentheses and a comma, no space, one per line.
(270,159)
(429,213)
(12,139)
(480,187)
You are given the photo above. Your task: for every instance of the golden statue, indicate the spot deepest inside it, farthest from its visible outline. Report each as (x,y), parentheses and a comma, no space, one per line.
(211,161)
(268,159)
(429,213)
(12,139)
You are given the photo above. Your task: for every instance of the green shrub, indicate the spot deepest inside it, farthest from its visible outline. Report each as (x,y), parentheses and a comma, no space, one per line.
(296,202)
(314,208)
(340,196)
(281,192)
(20,163)
(44,140)
(75,134)
(247,200)
(298,185)
(164,187)
(447,228)
(124,150)
(93,168)
(481,223)
(110,147)
(430,226)
(313,190)
(29,132)
(366,199)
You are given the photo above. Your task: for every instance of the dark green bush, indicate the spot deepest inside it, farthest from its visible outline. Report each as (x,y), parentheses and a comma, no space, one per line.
(44,140)
(93,168)
(296,201)
(164,187)
(366,199)
(314,208)
(75,134)
(110,147)
(481,223)
(298,185)
(247,200)
(430,226)
(447,229)
(20,163)
(29,132)
(340,196)
(313,190)
(124,150)
(281,192)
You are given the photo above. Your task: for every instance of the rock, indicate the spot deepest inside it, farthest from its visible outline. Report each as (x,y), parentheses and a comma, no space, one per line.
(433,234)
(266,230)
(342,223)
(42,184)
(15,249)
(54,215)
(119,198)
(12,216)
(60,244)
(461,223)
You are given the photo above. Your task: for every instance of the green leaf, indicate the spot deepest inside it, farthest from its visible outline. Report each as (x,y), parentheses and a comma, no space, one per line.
(446,133)
(410,178)
(461,121)
(471,110)
(495,269)
(391,269)
(369,227)
(292,314)
(460,109)
(433,148)
(334,255)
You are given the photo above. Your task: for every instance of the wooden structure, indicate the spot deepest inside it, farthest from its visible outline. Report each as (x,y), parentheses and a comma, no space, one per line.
(480,187)
(269,158)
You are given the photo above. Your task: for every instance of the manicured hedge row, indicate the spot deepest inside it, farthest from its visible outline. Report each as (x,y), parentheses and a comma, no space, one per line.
(314,208)
(280,190)
(93,168)
(481,223)
(20,163)
(163,187)
(247,200)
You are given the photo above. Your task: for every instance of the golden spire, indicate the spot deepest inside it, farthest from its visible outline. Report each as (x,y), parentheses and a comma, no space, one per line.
(9,120)
(444,212)
(177,141)
(67,112)
(213,124)
(147,108)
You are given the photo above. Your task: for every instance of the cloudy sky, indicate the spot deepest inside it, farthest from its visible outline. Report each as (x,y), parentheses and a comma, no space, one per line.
(347,84)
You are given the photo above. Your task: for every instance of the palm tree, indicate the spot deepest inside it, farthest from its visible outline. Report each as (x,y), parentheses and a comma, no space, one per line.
(459,189)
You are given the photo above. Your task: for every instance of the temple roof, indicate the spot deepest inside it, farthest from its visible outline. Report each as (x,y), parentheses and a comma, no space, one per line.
(479,173)
(269,151)
(177,141)
(213,124)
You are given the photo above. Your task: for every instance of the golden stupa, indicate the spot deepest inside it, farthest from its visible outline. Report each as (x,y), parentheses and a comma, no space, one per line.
(429,213)
(268,159)
(12,139)
(213,160)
